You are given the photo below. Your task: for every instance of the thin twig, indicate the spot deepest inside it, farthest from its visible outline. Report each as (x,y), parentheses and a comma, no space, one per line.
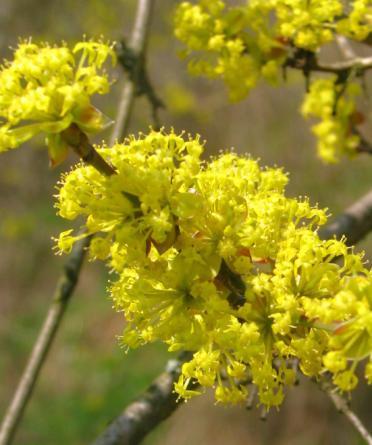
(135,67)
(137,44)
(63,292)
(360,63)
(68,280)
(342,406)
(142,416)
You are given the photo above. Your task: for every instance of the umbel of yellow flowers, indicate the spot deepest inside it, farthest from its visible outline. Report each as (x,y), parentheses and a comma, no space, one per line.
(213,258)
(45,89)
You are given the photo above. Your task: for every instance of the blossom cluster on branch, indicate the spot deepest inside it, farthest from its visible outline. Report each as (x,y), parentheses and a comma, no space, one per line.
(210,257)
(213,258)
(45,89)
(243,44)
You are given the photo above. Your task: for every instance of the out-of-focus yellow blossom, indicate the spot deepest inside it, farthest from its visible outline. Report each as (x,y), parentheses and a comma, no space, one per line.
(45,89)
(358,23)
(213,258)
(334,105)
(242,43)
(256,40)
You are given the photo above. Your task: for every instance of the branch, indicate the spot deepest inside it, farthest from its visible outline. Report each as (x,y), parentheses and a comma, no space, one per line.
(345,47)
(355,223)
(63,292)
(364,145)
(137,45)
(342,406)
(307,61)
(79,142)
(131,63)
(156,404)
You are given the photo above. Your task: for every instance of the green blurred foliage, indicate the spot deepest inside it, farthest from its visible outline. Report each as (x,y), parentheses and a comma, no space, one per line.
(88,379)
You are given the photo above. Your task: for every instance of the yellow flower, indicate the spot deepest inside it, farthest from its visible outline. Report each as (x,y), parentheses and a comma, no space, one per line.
(45,89)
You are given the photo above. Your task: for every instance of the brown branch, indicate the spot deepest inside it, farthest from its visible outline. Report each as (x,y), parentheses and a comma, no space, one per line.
(355,223)
(79,142)
(341,405)
(137,45)
(156,404)
(307,61)
(135,66)
(62,295)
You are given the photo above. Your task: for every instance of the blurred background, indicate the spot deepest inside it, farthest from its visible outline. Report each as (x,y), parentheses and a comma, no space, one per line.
(88,379)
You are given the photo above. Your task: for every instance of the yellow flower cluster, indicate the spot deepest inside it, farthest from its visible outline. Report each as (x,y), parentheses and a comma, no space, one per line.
(45,89)
(358,23)
(308,24)
(334,104)
(213,258)
(235,44)
(241,44)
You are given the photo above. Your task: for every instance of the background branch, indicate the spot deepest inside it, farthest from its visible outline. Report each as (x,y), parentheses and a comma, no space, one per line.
(345,47)
(135,65)
(137,46)
(341,405)
(62,295)
(156,404)
(354,223)
(307,60)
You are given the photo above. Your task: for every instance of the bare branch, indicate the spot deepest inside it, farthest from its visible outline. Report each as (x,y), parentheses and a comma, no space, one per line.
(137,46)
(136,66)
(156,404)
(306,60)
(355,223)
(64,290)
(342,406)
(345,47)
